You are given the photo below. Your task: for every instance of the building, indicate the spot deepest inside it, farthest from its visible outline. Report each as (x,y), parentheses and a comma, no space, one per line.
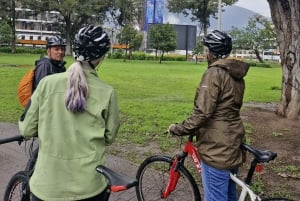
(34,29)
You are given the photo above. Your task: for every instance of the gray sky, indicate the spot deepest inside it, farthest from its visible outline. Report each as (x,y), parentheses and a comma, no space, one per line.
(259,6)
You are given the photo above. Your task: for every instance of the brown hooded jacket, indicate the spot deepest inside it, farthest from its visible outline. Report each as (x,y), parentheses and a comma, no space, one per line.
(216,113)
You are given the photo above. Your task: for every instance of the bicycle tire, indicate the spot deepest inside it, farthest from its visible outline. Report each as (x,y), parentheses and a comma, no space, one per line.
(32,160)
(153,175)
(17,188)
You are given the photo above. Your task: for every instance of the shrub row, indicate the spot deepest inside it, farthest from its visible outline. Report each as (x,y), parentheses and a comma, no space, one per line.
(120,55)
(145,56)
(263,65)
(19,50)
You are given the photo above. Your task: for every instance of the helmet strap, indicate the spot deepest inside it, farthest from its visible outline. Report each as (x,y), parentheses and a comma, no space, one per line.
(91,64)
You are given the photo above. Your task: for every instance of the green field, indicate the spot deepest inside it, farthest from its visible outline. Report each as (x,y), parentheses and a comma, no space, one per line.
(151,95)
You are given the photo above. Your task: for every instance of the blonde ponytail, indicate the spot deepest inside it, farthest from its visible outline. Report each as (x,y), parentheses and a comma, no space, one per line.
(77,89)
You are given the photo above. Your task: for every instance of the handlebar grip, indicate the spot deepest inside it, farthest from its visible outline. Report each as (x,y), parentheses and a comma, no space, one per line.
(18,138)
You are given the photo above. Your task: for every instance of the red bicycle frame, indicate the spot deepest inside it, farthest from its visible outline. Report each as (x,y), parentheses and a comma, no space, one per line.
(174,174)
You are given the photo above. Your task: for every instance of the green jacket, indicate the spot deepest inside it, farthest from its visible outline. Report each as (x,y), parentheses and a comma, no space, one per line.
(71,145)
(216,113)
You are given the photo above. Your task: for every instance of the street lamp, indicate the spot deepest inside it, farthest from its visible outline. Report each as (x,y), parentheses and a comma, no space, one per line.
(219,14)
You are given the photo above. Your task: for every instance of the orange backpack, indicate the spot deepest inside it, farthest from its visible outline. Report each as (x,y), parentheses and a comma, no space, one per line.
(25,88)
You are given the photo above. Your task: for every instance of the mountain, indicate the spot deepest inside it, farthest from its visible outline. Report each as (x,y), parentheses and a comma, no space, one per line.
(232,16)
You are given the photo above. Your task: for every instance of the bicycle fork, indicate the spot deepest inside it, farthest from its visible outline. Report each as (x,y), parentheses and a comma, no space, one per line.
(174,175)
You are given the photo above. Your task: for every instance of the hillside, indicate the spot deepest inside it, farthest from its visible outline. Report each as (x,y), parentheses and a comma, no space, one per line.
(232,16)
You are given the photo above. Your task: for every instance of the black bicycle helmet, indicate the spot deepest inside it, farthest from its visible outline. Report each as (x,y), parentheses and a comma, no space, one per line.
(55,41)
(219,43)
(91,42)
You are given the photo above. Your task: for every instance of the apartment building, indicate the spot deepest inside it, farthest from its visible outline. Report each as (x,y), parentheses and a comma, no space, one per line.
(32,29)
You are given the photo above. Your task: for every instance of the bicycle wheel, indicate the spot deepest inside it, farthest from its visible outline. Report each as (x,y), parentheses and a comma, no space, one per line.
(18,188)
(153,176)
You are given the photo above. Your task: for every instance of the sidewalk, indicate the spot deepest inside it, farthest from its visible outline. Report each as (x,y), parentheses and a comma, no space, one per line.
(14,157)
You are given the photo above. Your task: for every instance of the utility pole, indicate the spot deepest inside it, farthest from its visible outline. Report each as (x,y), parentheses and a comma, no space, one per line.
(219,15)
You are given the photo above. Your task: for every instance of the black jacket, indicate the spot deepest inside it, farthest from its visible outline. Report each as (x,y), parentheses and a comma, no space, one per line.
(44,66)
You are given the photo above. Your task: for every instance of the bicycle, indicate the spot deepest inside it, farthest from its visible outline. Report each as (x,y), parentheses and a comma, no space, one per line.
(17,188)
(161,177)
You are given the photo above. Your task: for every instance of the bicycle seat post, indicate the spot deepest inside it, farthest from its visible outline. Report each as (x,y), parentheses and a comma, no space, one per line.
(251,171)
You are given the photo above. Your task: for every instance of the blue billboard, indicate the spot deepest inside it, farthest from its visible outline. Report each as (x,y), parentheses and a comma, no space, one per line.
(154,12)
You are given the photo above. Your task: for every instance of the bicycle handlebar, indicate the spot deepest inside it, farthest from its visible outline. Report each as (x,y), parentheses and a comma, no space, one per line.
(18,138)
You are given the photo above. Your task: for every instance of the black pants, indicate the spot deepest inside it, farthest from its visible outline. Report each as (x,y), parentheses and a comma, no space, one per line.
(104,196)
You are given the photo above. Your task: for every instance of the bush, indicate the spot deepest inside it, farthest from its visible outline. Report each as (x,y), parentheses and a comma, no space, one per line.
(263,65)
(251,63)
(28,50)
(5,49)
(119,54)
(116,55)
(139,56)
(174,57)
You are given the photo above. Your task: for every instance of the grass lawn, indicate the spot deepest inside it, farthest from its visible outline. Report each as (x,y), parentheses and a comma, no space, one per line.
(151,95)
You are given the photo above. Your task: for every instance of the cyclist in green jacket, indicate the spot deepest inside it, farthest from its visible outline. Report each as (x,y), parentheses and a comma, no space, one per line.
(217,104)
(74,115)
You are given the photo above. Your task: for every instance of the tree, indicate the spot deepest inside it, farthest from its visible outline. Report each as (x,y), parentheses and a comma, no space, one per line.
(136,42)
(286,16)
(130,11)
(126,36)
(200,10)
(7,15)
(75,13)
(257,36)
(198,50)
(5,33)
(162,37)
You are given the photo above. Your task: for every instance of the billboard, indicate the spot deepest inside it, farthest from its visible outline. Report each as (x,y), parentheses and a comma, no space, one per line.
(185,37)
(154,12)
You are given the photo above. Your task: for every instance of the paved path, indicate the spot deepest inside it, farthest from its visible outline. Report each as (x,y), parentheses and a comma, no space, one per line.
(13,159)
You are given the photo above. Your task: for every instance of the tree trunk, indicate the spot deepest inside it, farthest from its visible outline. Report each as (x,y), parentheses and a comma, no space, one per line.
(125,56)
(258,56)
(13,27)
(67,18)
(130,54)
(286,16)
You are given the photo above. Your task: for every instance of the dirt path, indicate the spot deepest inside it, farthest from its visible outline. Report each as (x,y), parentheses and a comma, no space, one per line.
(269,131)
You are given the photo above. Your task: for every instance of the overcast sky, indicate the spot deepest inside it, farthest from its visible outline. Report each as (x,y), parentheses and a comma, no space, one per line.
(259,6)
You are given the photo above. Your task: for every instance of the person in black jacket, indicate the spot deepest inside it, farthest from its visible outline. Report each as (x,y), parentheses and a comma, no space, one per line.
(47,65)
(53,62)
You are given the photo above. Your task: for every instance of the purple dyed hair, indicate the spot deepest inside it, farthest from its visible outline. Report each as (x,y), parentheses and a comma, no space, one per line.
(77,89)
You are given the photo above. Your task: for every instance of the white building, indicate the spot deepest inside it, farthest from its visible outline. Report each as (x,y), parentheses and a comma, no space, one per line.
(35,29)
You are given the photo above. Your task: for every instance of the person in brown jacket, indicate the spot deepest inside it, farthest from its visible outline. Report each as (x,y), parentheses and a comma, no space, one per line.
(216,118)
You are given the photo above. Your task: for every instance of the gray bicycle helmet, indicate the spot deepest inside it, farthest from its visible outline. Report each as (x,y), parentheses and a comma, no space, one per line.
(91,42)
(219,43)
(55,41)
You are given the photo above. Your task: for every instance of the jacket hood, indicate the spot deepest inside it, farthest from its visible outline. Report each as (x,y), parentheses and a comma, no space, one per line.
(237,69)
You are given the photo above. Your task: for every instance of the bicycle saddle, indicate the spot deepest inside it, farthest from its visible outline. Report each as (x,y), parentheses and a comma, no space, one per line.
(261,156)
(117,182)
